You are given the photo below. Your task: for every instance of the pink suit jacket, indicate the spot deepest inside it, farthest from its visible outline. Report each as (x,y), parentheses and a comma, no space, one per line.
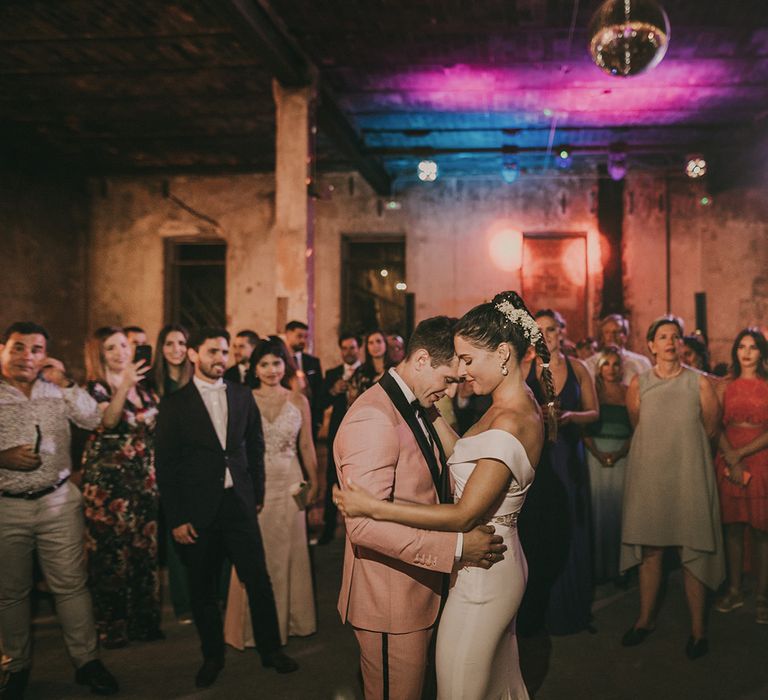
(392,573)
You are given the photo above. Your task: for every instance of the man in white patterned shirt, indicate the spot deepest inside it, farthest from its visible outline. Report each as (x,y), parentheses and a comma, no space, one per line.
(614,331)
(40,509)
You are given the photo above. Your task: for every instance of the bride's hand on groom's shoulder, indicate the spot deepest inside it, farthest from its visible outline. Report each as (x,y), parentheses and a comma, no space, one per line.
(482,547)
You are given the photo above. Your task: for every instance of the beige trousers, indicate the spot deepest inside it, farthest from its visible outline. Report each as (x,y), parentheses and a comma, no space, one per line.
(52,525)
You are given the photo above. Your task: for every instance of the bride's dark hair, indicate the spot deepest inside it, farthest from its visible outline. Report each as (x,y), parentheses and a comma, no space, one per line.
(488,327)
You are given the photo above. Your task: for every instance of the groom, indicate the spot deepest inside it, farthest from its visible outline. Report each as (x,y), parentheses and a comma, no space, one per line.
(394,575)
(209,454)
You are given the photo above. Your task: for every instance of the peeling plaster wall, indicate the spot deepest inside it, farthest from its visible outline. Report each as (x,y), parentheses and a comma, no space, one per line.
(131,220)
(721,249)
(43,244)
(447,226)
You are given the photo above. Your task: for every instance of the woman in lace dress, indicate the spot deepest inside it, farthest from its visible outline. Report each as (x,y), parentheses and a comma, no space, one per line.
(491,467)
(287,424)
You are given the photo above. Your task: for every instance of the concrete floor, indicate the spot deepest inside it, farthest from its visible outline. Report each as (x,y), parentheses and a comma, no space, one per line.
(587,665)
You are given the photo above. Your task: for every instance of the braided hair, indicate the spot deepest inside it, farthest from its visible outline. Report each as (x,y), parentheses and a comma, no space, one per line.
(506,319)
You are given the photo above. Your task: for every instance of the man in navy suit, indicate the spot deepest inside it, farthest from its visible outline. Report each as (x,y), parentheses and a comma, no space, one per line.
(243,345)
(209,459)
(335,395)
(296,334)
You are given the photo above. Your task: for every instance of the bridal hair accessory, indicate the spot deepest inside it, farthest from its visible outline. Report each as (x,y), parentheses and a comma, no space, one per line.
(545,365)
(522,318)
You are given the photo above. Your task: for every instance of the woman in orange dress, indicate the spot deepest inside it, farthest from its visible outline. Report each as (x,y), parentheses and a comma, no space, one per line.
(742,467)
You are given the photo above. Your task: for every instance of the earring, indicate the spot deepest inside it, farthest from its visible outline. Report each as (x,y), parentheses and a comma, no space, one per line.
(504,369)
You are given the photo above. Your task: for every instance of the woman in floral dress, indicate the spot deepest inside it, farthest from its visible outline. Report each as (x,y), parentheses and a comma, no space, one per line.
(120,494)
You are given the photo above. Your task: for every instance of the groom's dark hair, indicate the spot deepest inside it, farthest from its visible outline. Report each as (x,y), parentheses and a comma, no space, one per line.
(435,335)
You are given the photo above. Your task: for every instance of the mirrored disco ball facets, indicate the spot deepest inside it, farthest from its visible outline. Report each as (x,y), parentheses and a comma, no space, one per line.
(426,171)
(695,166)
(628,37)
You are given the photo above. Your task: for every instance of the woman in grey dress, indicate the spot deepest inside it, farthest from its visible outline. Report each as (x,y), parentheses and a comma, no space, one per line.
(670,494)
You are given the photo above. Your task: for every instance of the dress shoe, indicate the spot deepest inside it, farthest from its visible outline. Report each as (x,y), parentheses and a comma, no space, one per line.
(635,635)
(94,675)
(696,649)
(730,601)
(14,685)
(281,662)
(208,672)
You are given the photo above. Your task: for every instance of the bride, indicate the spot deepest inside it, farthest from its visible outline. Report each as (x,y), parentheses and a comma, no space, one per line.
(491,467)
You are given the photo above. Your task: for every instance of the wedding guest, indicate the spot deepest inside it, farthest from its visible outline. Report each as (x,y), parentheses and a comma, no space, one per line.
(375,364)
(607,442)
(614,330)
(695,353)
(120,494)
(210,467)
(670,494)
(173,370)
(287,425)
(395,348)
(308,369)
(586,347)
(555,521)
(136,336)
(335,391)
(41,511)
(243,345)
(742,467)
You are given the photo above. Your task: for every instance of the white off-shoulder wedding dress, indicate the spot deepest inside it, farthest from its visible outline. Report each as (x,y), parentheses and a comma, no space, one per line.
(477,657)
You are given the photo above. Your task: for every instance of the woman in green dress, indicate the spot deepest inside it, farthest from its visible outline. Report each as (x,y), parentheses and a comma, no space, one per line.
(607,442)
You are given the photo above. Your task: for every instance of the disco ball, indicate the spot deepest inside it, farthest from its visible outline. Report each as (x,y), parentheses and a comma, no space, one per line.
(627,37)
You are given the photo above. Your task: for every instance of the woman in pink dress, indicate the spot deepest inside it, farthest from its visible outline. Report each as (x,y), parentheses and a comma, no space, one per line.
(742,467)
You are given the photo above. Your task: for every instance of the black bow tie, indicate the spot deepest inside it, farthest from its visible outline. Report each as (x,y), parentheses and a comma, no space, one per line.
(418,409)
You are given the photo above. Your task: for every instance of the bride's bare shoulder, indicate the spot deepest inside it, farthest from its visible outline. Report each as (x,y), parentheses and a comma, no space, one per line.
(525,425)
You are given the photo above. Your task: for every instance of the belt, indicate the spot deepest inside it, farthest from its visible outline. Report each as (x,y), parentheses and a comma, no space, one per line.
(508,520)
(34,495)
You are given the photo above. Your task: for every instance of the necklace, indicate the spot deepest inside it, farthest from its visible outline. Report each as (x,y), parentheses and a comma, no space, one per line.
(667,376)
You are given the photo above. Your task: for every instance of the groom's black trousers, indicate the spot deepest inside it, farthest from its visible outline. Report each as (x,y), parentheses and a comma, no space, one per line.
(237,536)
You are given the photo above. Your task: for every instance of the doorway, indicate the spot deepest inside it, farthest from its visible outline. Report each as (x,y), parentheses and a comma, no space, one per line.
(554,276)
(195,281)
(373,284)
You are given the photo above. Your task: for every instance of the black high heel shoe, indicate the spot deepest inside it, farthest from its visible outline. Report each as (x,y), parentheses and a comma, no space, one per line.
(635,635)
(695,649)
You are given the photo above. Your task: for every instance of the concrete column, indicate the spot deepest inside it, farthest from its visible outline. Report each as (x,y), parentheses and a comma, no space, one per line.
(293,231)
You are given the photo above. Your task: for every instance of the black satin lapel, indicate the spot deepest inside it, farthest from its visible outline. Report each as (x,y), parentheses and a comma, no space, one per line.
(231,412)
(404,409)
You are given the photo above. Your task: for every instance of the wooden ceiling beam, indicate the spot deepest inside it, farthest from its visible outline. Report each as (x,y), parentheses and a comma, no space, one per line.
(256,29)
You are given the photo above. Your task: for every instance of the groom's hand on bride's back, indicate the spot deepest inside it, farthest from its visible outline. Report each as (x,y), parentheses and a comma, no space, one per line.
(482,547)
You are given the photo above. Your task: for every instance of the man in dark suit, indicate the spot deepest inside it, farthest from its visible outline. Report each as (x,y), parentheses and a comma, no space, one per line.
(335,395)
(296,338)
(209,458)
(243,345)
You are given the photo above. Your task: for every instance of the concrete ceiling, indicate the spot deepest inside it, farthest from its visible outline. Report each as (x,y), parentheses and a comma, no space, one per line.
(148,85)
